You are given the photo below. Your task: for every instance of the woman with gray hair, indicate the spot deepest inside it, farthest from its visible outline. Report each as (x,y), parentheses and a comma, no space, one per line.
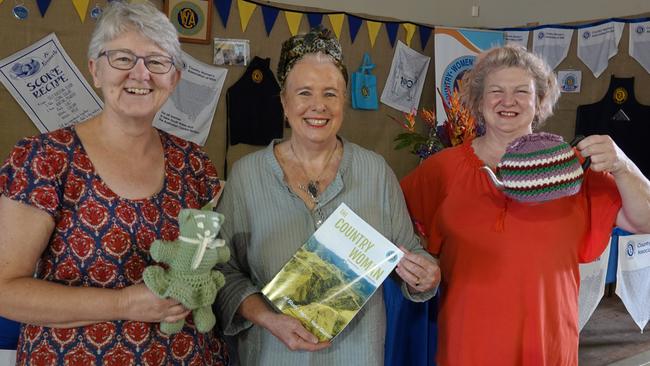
(83,204)
(509,265)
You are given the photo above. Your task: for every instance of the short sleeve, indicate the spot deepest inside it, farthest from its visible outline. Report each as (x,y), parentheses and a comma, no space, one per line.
(603,204)
(423,193)
(32,173)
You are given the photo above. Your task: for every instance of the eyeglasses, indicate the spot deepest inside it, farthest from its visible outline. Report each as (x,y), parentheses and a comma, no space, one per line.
(126,60)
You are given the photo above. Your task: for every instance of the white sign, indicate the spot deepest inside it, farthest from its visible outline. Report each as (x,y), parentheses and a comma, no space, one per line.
(570,80)
(48,86)
(189,111)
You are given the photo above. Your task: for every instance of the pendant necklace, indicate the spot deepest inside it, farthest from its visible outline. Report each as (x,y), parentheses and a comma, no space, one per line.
(312,187)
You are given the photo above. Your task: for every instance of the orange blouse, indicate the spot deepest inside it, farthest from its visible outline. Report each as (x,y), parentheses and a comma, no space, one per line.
(509,270)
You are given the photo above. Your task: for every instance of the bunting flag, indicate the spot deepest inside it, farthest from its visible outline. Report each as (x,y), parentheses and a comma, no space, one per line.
(293,21)
(410,31)
(391,29)
(517,37)
(315,19)
(640,43)
(1,1)
(354,23)
(42,6)
(599,43)
(373,31)
(81,6)
(337,23)
(552,44)
(223,8)
(425,34)
(246,10)
(270,14)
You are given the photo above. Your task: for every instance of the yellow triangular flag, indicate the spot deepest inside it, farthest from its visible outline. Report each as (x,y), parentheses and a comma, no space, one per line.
(246,10)
(293,20)
(410,31)
(337,23)
(373,31)
(81,6)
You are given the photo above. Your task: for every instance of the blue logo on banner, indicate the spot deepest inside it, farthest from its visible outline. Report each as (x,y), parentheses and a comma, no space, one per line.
(25,68)
(540,35)
(640,29)
(454,74)
(630,248)
(586,35)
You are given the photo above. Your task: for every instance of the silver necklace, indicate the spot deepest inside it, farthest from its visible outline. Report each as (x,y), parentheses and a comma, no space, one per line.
(312,186)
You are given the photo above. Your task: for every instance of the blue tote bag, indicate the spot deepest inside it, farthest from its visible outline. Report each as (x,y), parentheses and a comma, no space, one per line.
(364,86)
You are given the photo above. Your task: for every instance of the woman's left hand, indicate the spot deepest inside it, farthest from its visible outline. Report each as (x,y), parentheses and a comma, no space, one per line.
(419,273)
(605,155)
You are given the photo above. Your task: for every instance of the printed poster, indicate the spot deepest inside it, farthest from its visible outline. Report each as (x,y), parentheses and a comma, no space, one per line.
(189,111)
(48,86)
(570,80)
(519,38)
(455,51)
(405,79)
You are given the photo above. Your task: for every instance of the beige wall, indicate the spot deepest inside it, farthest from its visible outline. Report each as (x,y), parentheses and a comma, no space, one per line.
(492,13)
(373,130)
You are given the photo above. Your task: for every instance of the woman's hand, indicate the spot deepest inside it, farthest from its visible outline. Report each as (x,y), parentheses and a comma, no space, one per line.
(291,332)
(138,303)
(418,272)
(605,155)
(285,328)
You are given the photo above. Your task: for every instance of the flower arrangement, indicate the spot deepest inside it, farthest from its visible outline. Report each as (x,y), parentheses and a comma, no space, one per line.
(459,126)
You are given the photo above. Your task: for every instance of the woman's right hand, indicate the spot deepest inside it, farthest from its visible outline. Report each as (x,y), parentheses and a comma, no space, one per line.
(138,303)
(291,332)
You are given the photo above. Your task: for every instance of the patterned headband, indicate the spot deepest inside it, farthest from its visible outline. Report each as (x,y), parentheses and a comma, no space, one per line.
(317,40)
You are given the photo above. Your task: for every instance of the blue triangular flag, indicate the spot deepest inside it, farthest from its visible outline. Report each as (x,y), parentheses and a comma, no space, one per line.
(314,19)
(425,34)
(270,14)
(355,24)
(43,5)
(223,8)
(391,29)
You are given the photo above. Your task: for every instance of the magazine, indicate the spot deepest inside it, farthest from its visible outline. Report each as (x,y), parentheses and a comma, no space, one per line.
(333,274)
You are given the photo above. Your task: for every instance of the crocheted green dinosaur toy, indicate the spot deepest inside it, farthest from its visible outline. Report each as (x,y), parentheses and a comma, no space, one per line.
(190,277)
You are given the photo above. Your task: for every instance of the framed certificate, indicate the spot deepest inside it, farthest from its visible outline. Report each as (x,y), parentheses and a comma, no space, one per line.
(192,19)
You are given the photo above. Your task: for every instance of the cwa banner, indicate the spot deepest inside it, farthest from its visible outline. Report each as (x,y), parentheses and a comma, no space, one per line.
(455,51)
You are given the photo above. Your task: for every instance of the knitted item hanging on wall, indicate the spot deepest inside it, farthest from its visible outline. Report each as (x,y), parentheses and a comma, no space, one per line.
(190,277)
(539,167)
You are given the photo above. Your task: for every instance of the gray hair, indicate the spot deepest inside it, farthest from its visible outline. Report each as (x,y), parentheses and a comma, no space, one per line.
(120,17)
(546,86)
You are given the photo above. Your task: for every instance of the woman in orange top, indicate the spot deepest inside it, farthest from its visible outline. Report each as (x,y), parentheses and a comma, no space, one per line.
(510,269)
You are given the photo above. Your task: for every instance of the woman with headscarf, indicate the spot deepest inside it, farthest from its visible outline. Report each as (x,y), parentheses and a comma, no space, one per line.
(83,204)
(276,198)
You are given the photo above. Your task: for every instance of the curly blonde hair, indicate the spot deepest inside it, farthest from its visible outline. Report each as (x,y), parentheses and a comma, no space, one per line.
(546,85)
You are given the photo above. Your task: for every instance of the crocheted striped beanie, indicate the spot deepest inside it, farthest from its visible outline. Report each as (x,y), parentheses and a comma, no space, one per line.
(539,167)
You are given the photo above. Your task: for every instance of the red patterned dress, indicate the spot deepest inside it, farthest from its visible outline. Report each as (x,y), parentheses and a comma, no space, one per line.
(102,240)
